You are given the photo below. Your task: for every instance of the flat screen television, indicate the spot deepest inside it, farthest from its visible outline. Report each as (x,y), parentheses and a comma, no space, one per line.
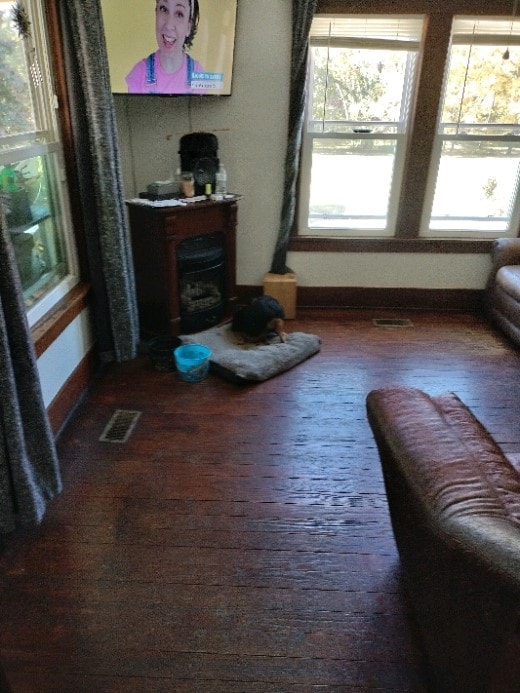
(170,47)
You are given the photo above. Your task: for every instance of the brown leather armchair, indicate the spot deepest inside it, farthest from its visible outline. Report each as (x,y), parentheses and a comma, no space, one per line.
(503,287)
(454,501)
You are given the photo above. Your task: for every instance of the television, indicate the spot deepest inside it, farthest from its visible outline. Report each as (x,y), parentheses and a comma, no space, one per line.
(152,49)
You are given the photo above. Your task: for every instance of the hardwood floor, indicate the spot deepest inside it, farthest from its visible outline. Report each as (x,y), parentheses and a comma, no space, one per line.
(239,541)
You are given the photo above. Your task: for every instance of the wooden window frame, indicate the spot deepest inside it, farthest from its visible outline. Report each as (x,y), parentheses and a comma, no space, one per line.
(46,330)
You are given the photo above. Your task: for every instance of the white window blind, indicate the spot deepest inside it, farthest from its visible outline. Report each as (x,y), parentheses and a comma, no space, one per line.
(490,32)
(397,32)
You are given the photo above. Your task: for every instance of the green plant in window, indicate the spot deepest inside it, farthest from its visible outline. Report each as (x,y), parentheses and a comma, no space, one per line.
(18,185)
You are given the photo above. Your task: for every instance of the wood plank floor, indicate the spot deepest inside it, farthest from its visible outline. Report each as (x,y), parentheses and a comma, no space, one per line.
(239,541)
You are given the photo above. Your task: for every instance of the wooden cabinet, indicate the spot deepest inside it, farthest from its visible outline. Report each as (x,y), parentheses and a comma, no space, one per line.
(156,233)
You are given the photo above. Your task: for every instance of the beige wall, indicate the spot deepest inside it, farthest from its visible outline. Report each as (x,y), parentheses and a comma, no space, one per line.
(251,126)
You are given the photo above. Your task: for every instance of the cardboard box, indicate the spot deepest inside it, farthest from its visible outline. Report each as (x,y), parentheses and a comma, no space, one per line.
(283,287)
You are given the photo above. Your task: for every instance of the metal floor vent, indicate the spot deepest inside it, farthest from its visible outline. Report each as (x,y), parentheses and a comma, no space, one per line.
(392,322)
(120,426)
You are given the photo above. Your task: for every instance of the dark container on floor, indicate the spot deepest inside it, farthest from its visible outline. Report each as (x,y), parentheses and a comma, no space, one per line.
(160,351)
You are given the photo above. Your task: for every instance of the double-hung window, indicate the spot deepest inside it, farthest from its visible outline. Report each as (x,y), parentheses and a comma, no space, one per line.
(362,77)
(473,189)
(32,178)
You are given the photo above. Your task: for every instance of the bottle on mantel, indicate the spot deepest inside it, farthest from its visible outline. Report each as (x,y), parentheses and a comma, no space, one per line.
(221,180)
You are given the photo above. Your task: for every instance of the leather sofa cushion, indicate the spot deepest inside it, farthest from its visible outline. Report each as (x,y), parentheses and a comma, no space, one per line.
(508,279)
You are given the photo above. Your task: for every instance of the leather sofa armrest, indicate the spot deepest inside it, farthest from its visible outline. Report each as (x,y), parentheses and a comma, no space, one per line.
(454,502)
(505,251)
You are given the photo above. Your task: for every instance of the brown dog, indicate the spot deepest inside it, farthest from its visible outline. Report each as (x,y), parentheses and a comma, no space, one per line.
(262,317)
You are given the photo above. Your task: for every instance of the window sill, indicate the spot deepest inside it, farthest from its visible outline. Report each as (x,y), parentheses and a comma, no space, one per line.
(49,328)
(388,245)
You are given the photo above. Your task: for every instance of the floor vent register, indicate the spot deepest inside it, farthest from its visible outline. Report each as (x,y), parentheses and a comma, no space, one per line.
(392,322)
(120,426)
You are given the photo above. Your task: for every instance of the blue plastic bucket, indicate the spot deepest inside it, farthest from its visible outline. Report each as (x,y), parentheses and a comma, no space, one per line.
(192,361)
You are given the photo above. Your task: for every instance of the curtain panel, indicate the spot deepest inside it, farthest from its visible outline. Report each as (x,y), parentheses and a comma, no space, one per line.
(29,470)
(99,173)
(29,467)
(302,15)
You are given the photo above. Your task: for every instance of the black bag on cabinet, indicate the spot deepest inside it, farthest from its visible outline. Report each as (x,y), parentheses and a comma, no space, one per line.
(199,154)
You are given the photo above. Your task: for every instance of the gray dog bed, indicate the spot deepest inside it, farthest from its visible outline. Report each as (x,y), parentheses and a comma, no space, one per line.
(243,362)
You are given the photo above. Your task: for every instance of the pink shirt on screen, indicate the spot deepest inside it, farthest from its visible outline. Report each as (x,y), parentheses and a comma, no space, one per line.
(174,83)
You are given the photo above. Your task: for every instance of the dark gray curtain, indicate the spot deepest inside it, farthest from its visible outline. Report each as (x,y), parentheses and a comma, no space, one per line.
(97,159)
(29,471)
(302,14)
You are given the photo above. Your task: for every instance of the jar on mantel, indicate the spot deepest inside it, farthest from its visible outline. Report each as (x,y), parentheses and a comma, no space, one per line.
(221,180)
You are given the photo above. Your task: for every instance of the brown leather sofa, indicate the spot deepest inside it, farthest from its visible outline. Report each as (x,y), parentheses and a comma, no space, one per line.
(503,287)
(454,501)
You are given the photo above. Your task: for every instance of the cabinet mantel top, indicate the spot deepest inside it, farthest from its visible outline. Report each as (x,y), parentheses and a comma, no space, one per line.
(187,206)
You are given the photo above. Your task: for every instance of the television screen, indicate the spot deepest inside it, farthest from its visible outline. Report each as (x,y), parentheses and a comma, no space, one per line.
(170,46)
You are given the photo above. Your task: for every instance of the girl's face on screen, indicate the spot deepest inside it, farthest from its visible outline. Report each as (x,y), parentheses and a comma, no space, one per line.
(172,25)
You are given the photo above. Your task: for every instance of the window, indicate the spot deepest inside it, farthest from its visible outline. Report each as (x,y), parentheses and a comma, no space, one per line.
(391,153)
(474,174)
(362,75)
(32,179)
